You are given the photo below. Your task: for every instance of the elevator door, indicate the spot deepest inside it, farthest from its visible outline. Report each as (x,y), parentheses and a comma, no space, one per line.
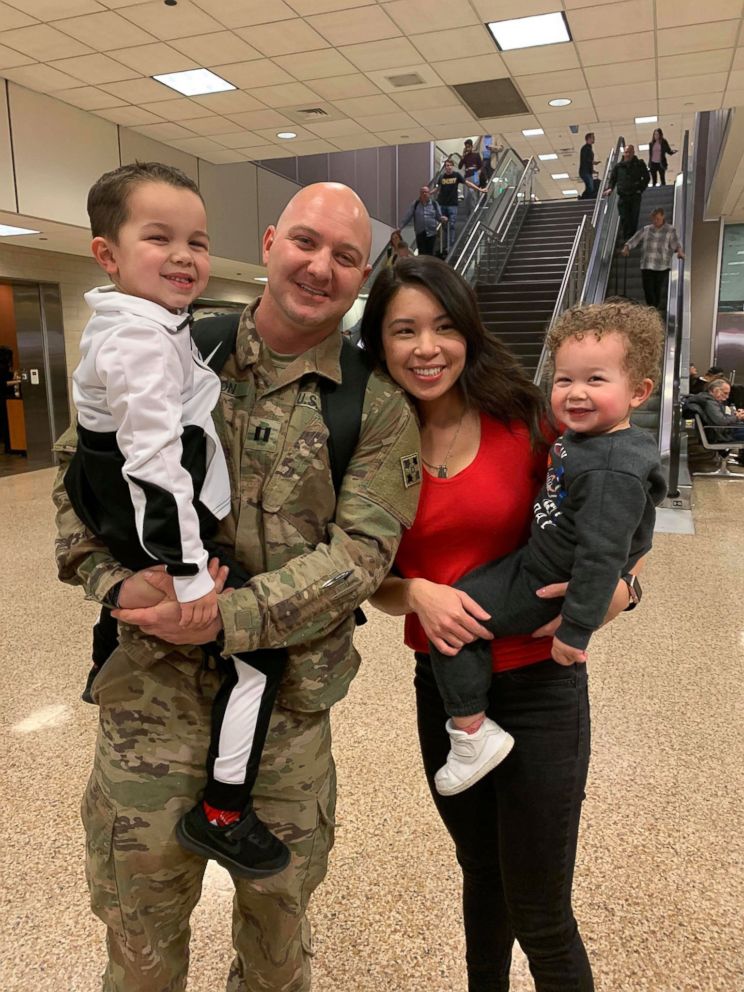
(40,351)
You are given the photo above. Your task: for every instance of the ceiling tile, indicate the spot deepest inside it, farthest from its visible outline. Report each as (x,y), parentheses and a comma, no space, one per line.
(514,123)
(628,48)
(11,18)
(345,87)
(410,134)
(388,54)
(437,46)
(220,47)
(365,106)
(472,70)
(88,98)
(352,142)
(265,153)
(738,61)
(580,102)
(736,80)
(388,79)
(151,60)
(269,134)
(43,42)
(696,63)
(550,82)
(458,117)
(689,104)
(499,10)
(625,112)
(371,24)
(611,19)
(674,13)
(116,4)
(420,16)
(141,91)
(284,38)
(244,13)
(93,69)
(315,65)
(313,146)
(225,156)
(624,93)
(285,95)
(232,102)
(128,116)
(50,10)
(105,31)
(195,145)
(10,58)
(260,72)
(714,82)
(239,139)
(178,110)
(428,99)
(696,37)
(209,125)
(305,7)
(547,58)
(333,129)
(255,119)
(621,72)
(166,23)
(165,131)
(41,78)
(386,122)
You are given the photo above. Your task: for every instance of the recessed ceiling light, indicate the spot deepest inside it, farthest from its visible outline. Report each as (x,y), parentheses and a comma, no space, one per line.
(570,192)
(260,278)
(646,120)
(559,175)
(195,82)
(561,101)
(532,132)
(548,157)
(643,148)
(6,231)
(286,135)
(528,32)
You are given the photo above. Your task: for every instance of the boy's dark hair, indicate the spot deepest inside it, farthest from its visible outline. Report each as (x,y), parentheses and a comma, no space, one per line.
(640,327)
(108,197)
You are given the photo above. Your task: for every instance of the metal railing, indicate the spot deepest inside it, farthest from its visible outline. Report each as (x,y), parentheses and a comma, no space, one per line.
(489,236)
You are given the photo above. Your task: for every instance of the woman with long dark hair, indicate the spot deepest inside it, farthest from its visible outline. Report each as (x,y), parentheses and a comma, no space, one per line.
(658,149)
(484,439)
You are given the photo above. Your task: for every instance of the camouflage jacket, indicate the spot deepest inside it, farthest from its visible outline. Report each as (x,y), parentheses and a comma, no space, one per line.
(313,558)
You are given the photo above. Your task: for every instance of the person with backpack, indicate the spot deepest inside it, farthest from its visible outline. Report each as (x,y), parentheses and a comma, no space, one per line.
(314,547)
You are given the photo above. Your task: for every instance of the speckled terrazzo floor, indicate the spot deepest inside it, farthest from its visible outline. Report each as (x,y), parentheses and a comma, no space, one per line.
(658,889)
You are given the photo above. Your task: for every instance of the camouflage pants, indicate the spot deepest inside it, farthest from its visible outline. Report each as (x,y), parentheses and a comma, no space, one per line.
(149,769)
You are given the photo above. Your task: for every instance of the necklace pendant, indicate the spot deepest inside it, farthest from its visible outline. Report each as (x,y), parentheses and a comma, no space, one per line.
(442,472)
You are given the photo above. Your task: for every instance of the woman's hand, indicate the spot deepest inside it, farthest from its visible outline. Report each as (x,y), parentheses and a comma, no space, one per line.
(449,617)
(564,654)
(618,603)
(163,620)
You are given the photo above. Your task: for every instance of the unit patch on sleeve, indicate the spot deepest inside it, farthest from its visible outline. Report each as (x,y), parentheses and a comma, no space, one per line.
(411,470)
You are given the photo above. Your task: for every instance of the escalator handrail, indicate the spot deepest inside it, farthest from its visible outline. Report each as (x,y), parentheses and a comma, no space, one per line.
(612,159)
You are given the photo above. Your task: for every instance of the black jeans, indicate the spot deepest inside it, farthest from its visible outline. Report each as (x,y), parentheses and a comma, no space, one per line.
(425,243)
(656,287)
(515,831)
(657,170)
(629,207)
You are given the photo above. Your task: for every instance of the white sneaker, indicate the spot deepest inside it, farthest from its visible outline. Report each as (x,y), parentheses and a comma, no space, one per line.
(472,756)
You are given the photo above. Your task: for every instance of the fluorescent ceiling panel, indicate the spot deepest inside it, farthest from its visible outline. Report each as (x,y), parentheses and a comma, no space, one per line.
(548,157)
(6,231)
(529,32)
(195,82)
(559,175)
(533,132)
(646,120)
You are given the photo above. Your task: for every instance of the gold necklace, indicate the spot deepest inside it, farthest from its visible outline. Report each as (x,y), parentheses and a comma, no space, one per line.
(441,470)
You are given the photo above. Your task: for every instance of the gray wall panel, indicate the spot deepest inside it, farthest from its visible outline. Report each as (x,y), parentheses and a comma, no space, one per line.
(366,179)
(312,169)
(414,171)
(342,169)
(387,160)
(273,195)
(231,195)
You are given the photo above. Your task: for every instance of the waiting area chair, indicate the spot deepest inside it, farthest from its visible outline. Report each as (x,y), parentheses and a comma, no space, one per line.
(718,451)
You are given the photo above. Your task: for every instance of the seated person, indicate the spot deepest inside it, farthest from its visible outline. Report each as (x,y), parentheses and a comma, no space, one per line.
(714,409)
(698,383)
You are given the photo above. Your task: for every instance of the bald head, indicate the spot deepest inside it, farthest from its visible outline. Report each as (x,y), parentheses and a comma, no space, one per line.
(317,257)
(334,199)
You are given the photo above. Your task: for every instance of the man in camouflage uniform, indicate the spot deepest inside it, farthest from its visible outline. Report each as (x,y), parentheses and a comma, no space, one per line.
(314,558)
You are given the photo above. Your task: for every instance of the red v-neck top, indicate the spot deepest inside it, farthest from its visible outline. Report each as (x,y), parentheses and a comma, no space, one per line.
(482,513)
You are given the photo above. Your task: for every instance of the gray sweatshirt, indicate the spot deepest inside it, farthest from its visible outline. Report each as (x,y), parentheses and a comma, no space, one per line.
(594,519)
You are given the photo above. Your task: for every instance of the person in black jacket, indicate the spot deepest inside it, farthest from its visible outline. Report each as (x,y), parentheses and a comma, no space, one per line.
(631,177)
(586,168)
(658,149)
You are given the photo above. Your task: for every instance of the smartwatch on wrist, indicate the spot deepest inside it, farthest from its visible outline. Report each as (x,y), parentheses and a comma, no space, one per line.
(634,590)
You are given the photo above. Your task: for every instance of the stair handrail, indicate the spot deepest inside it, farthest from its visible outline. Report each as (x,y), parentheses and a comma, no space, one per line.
(571,285)
(678,317)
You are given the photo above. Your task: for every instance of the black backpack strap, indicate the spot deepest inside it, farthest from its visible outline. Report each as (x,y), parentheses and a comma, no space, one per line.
(341,405)
(215,338)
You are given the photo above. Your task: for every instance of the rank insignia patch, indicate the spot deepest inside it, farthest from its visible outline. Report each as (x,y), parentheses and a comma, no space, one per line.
(411,470)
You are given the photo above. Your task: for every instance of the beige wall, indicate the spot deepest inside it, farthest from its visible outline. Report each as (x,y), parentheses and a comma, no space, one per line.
(76,275)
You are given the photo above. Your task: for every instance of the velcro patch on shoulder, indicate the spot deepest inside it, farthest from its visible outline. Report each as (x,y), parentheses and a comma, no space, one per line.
(411,467)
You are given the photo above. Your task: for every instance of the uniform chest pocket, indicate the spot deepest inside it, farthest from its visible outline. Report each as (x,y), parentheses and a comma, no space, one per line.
(300,482)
